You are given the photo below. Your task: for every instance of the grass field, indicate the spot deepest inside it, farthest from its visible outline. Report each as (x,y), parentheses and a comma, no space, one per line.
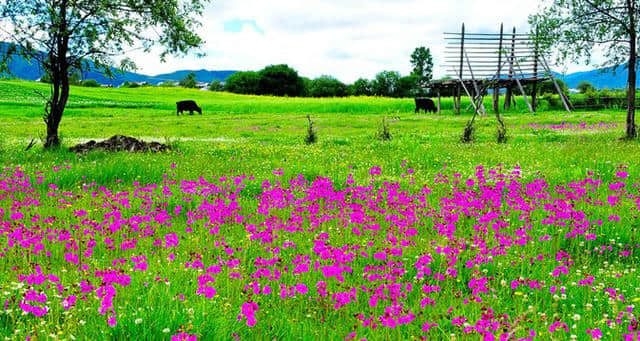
(541,244)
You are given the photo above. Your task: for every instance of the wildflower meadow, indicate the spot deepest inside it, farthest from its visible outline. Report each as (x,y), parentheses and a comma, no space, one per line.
(243,231)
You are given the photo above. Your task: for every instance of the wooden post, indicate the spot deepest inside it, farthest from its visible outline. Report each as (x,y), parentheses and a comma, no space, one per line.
(509,95)
(477,94)
(461,74)
(534,91)
(496,89)
(439,101)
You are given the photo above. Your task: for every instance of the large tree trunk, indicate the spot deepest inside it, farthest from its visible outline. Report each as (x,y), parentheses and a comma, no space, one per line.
(59,78)
(633,65)
(58,103)
(631,96)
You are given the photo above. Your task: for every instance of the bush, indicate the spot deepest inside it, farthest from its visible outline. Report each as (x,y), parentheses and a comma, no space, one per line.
(128,84)
(386,84)
(216,86)
(327,86)
(167,84)
(247,83)
(384,133)
(280,80)
(311,136)
(547,87)
(408,87)
(189,81)
(585,86)
(361,87)
(90,83)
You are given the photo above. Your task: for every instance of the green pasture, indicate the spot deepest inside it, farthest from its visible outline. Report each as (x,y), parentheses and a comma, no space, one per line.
(256,134)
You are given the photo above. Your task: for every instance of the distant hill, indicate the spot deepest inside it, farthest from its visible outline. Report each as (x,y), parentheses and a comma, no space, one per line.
(611,78)
(23,69)
(605,78)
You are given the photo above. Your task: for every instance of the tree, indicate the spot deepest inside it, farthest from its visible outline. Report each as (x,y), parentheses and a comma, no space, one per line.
(189,81)
(63,35)
(327,86)
(386,84)
(422,62)
(90,83)
(585,86)
(575,27)
(362,87)
(246,83)
(547,87)
(216,85)
(408,87)
(280,80)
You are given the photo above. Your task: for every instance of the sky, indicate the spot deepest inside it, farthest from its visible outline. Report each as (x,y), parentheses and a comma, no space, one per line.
(347,39)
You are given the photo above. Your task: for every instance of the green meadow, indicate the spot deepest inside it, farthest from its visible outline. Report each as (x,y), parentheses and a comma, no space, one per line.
(256,134)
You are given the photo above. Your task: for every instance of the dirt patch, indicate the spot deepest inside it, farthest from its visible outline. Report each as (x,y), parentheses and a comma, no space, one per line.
(119,143)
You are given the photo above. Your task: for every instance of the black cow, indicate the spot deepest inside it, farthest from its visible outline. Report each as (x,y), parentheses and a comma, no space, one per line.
(425,104)
(189,106)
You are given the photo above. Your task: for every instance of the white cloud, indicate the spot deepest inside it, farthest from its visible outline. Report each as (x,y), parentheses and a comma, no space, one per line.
(344,38)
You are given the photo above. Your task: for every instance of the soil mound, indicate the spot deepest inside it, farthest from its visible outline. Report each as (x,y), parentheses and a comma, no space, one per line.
(119,143)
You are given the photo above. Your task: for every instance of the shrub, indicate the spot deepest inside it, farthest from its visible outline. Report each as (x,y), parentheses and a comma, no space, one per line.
(90,83)
(128,84)
(189,81)
(167,84)
(247,83)
(384,132)
(386,84)
(585,86)
(280,80)
(216,85)
(361,87)
(327,86)
(311,137)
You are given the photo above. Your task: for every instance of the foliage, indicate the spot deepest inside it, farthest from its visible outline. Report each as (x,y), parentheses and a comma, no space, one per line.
(63,36)
(216,85)
(362,87)
(585,86)
(574,28)
(327,86)
(280,80)
(131,85)
(311,136)
(422,63)
(408,87)
(189,81)
(247,83)
(165,84)
(547,87)
(90,83)
(384,132)
(386,84)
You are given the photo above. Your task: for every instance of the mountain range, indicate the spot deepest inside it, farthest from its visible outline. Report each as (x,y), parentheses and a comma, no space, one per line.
(604,78)
(21,68)
(611,78)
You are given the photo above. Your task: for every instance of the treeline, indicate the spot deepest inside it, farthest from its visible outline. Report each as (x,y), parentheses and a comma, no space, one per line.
(282,80)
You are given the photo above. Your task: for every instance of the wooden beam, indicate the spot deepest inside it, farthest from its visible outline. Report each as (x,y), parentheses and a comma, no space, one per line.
(509,93)
(478,94)
(534,92)
(496,89)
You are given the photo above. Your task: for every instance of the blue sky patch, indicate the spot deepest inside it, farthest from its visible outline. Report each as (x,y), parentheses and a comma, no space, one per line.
(237,25)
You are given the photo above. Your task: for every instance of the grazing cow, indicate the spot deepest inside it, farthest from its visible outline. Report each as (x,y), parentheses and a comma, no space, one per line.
(189,106)
(425,104)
